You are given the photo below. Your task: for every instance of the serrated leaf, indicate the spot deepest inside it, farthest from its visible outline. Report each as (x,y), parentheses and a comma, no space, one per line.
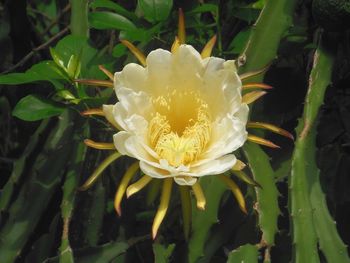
(33,108)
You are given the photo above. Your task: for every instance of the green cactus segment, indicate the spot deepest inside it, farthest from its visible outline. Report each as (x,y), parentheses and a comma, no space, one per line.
(311,218)
(264,40)
(69,192)
(261,49)
(162,254)
(19,167)
(245,254)
(103,253)
(95,214)
(41,248)
(40,185)
(267,194)
(202,221)
(330,243)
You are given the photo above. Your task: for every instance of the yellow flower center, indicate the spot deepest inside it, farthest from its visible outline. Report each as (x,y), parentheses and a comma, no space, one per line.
(180,129)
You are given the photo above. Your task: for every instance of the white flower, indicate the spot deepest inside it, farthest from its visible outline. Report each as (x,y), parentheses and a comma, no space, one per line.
(182,116)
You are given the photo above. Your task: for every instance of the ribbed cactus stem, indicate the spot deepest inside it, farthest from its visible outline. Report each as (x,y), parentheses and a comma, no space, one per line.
(261,49)
(311,220)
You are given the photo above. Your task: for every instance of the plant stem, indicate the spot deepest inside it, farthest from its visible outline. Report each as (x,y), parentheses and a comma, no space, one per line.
(79,18)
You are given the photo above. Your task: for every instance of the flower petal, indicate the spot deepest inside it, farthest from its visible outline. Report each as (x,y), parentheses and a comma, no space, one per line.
(133,76)
(119,142)
(212,167)
(108,112)
(185,180)
(227,136)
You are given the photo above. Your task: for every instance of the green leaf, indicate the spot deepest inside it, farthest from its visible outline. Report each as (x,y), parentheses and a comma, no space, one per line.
(43,71)
(119,50)
(74,66)
(204,8)
(56,58)
(109,20)
(155,10)
(115,7)
(33,108)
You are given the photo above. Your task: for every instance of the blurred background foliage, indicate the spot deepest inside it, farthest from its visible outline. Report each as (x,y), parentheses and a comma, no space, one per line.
(43,159)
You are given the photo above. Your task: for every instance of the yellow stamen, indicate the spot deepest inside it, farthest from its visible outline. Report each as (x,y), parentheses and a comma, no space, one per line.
(107,72)
(252,96)
(95,82)
(198,193)
(176,45)
(208,48)
(95,175)
(186,209)
(256,85)
(261,141)
(239,165)
(99,145)
(235,190)
(181,27)
(245,178)
(123,185)
(135,187)
(137,53)
(163,206)
(176,137)
(96,111)
(270,127)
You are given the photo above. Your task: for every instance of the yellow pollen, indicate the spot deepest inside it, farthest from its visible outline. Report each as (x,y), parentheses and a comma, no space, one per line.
(180,130)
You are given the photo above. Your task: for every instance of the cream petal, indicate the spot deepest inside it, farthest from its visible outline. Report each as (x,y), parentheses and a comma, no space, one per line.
(185,180)
(227,136)
(173,170)
(136,124)
(243,113)
(230,65)
(222,90)
(134,147)
(119,142)
(187,59)
(212,64)
(120,115)
(133,76)
(135,102)
(153,171)
(187,68)
(216,166)
(108,111)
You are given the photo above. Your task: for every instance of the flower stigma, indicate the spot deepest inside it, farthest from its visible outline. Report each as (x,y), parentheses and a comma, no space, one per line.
(180,129)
